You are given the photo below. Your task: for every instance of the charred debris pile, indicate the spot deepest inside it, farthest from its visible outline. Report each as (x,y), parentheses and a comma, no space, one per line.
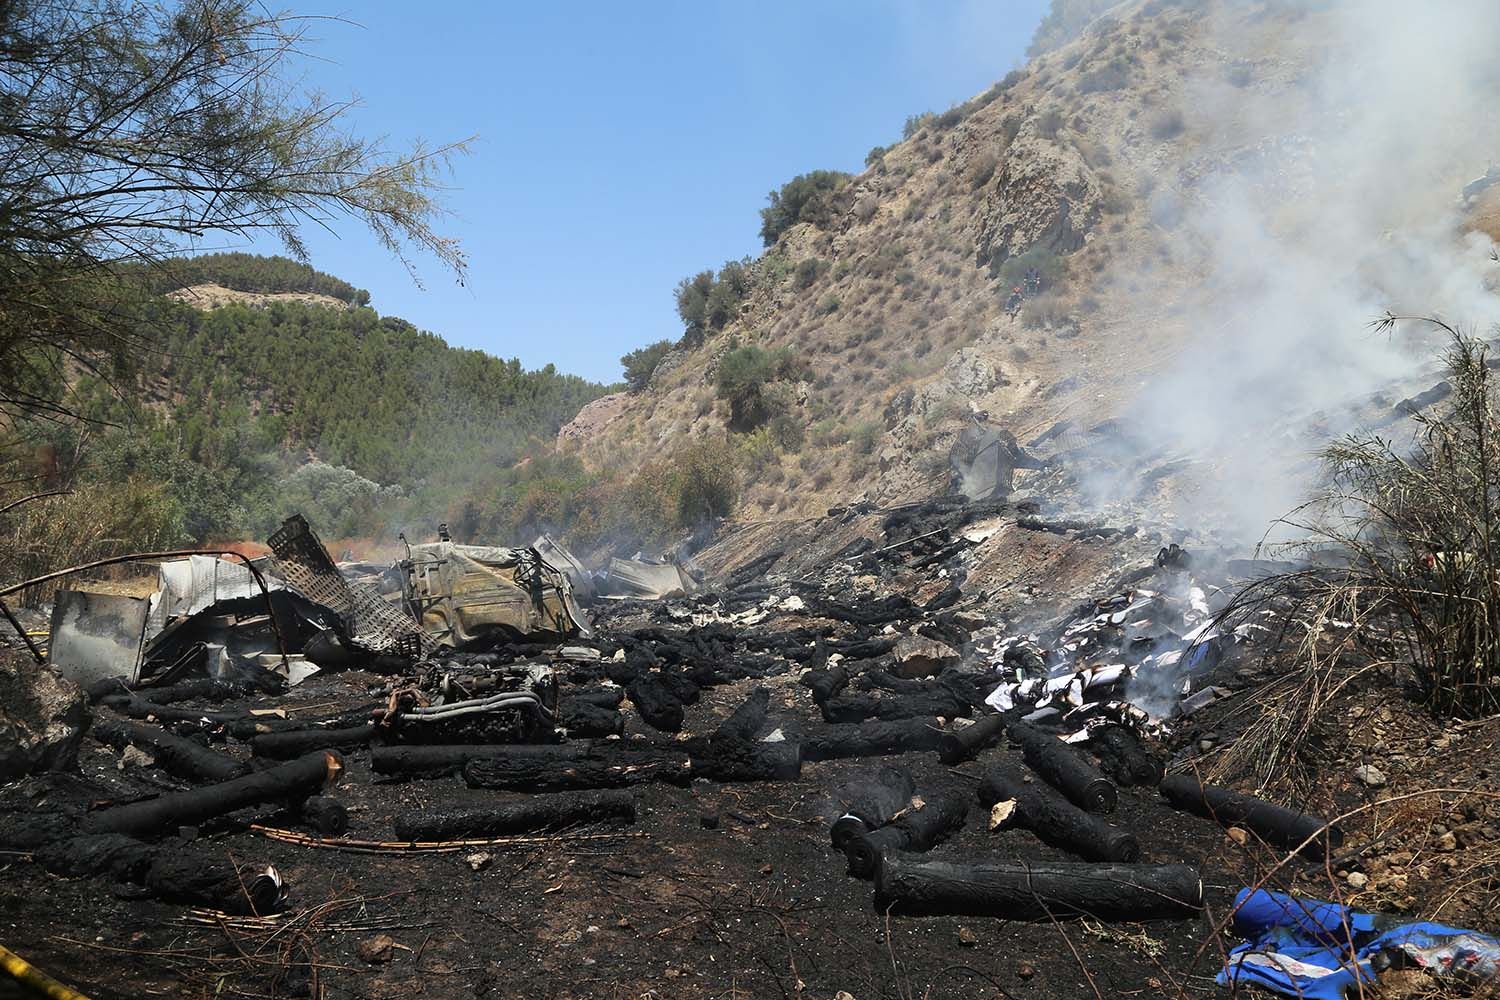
(515,669)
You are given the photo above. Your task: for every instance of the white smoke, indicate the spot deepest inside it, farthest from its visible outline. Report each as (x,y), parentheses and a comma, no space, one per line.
(1326,193)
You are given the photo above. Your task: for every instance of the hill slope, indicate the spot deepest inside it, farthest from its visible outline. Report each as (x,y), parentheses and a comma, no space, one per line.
(1217,198)
(285,391)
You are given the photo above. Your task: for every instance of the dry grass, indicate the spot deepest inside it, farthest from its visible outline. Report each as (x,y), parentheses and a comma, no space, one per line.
(1404,549)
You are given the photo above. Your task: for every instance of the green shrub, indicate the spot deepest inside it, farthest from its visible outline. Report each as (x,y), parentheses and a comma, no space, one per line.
(805,198)
(876,156)
(742,379)
(1167,125)
(828,304)
(807,272)
(692,300)
(982,170)
(707,482)
(641,363)
(1049,265)
(728,291)
(1049,123)
(915,123)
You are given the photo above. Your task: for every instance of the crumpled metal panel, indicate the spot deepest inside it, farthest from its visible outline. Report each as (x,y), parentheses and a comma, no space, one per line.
(97,636)
(466,591)
(372,623)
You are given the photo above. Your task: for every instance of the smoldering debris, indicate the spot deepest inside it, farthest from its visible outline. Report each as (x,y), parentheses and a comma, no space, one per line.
(553,720)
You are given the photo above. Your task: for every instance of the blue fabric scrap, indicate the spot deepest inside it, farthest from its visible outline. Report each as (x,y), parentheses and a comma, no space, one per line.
(1319,950)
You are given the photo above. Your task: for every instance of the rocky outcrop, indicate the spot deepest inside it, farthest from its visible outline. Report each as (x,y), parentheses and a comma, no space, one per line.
(42,718)
(593,418)
(1045,197)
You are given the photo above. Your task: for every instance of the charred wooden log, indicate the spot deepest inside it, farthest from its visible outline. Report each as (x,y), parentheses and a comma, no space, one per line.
(603,697)
(656,703)
(870,802)
(177,874)
(438,761)
(1057,821)
(1064,769)
(296,742)
(291,782)
(1124,758)
(827,683)
(870,739)
(857,707)
(179,757)
(584,718)
(537,812)
(745,722)
(748,760)
(1270,822)
(140,708)
(919,828)
(568,768)
(910,887)
(961,744)
(325,814)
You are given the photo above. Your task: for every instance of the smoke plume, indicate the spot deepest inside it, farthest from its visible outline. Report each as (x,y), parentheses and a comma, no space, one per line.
(1325,150)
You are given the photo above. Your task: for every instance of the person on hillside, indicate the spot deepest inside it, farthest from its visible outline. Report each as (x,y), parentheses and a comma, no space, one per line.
(1013,304)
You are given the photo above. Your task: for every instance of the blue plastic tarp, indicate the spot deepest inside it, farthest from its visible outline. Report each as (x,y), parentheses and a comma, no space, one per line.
(1319,950)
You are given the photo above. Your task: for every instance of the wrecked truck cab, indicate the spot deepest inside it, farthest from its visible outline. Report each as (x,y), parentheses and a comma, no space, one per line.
(465,594)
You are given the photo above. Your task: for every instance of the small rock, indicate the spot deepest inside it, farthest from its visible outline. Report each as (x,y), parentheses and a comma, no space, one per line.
(135,757)
(623,923)
(967,938)
(479,860)
(843,995)
(376,950)
(1370,775)
(766,869)
(1358,880)
(1025,970)
(919,656)
(1238,835)
(1445,842)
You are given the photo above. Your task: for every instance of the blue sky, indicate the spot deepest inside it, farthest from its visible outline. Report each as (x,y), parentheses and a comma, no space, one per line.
(623,146)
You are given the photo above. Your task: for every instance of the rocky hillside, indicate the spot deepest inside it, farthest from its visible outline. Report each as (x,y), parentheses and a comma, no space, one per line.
(892,316)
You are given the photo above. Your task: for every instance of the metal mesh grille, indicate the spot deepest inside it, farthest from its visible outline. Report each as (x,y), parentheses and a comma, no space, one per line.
(373,624)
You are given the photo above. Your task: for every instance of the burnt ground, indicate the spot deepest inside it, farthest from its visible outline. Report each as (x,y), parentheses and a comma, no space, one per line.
(732,890)
(758,906)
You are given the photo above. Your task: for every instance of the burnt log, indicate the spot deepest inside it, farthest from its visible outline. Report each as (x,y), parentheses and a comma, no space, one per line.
(179,757)
(870,802)
(141,708)
(296,742)
(1124,758)
(536,812)
(870,739)
(568,768)
(748,760)
(1028,891)
(603,697)
(657,705)
(291,782)
(1270,822)
(1057,821)
(325,814)
(584,718)
(441,760)
(919,828)
(1065,769)
(962,744)
(827,683)
(176,874)
(745,722)
(858,707)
